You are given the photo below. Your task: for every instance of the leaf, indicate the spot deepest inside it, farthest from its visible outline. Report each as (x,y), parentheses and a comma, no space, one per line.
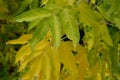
(68,59)
(22,40)
(56,29)
(117,22)
(22,5)
(43,2)
(47,68)
(35,68)
(69,24)
(31,56)
(86,15)
(42,45)
(34,4)
(82,62)
(40,32)
(33,24)
(22,53)
(104,33)
(33,14)
(93,1)
(113,50)
(53,54)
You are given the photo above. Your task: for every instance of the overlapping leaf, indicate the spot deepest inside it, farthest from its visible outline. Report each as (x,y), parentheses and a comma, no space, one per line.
(69,24)
(56,29)
(35,69)
(30,57)
(40,32)
(22,53)
(68,59)
(21,40)
(33,14)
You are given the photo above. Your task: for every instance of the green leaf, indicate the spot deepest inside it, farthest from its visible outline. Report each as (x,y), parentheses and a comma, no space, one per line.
(117,22)
(40,32)
(113,51)
(92,57)
(33,24)
(33,14)
(56,29)
(69,24)
(34,4)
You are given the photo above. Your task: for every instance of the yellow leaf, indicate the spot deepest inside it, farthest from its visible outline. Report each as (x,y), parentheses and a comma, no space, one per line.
(42,44)
(35,68)
(82,60)
(55,61)
(22,40)
(47,68)
(23,52)
(67,58)
(31,56)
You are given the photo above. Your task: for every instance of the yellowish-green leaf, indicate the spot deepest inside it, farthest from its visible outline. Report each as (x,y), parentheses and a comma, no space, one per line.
(33,24)
(40,32)
(69,24)
(89,39)
(56,29)
(31,56)
(33,14)
(43,2)
(93,1)
(104,33)
(22,40)
(117,22)
(86,16)
(22,53)
(55,61)
(68,59)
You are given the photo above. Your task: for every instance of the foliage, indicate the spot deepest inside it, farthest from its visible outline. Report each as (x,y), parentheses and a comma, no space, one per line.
(45,53)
